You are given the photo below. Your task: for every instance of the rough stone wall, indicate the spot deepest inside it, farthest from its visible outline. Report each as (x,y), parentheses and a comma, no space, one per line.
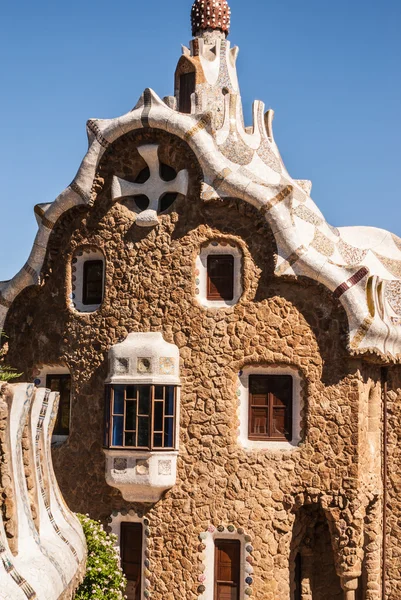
(393,571)
(29,468)
(150,286)
(8,504)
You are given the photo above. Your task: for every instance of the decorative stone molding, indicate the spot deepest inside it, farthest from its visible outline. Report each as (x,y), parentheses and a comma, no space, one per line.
(218,247)
(114,527)
(144,358)
(207,559)
(153,189)
(243,406)
(141,476)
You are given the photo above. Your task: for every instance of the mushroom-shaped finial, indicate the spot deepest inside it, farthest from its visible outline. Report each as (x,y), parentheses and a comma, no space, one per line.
(210,14)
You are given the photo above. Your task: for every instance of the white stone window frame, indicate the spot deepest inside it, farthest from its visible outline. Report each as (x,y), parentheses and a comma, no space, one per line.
(208,555)
(212,248)
(40,382)
(83,255)
(115,528)
(243,408)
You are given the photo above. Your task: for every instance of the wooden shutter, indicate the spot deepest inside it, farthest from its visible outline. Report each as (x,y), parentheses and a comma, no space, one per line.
(93,282)
(227,569)
(280,391)
(131,557)
(187,88)
(220,277)
(270,407)
(61,384)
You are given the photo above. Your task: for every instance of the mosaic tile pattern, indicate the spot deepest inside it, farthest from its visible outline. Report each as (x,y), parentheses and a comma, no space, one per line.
(92,126)
(166,366)
(351,255)
(46,562)
(397,241)
(269,158)
(362,332)
(210,15)
(23,491)
(307,215)
(393,266)
(354,280)
(322,244)
(393,296)
(39,466)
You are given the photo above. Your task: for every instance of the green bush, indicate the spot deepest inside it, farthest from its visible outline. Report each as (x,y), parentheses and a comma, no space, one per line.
(104,579)
(6,373)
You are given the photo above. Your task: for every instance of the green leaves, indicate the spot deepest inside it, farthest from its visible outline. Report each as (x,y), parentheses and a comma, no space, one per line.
(104,579)
(6,373)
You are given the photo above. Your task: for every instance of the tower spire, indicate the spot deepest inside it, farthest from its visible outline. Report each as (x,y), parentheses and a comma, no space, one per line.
(210,15)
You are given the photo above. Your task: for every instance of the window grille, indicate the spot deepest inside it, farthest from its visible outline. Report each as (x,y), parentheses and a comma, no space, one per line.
(141,417)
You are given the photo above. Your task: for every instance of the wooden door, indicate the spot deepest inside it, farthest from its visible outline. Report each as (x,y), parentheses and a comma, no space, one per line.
(227,569)
(131,558)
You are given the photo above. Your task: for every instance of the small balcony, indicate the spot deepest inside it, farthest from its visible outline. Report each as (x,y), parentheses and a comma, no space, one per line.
(141,476)
(142,417)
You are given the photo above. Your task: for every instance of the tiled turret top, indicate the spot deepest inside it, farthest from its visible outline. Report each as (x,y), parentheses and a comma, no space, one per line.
(210,14)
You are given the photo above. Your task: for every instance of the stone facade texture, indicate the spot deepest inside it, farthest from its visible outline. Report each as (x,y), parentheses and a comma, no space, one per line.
(393,529)
(323,498)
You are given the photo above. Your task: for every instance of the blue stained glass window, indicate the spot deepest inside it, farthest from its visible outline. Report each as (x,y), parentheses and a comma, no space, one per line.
(170,400)
(168,433)
(140,416)
(107,417)
(118,428)
(118,408)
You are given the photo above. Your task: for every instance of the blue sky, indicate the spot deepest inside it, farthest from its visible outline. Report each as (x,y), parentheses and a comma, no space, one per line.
(330,70)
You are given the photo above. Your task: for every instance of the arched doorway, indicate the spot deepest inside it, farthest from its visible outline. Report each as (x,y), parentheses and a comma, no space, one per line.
(312,568)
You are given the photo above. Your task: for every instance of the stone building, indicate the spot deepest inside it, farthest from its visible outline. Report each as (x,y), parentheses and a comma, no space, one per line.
(228,362)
